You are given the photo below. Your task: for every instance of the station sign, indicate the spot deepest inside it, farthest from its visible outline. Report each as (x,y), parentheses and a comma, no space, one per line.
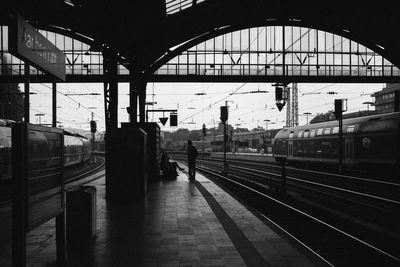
(30,45)
(163,120)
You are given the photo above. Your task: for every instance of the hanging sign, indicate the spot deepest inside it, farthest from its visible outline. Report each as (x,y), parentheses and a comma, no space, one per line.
(163,120)
(30,45)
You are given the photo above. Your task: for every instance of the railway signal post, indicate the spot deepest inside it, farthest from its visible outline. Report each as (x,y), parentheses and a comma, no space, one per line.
(93,129)
(339,116)
(224,118)
(204,130)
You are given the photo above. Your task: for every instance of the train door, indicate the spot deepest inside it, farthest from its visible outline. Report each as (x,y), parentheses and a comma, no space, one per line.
(348,151)
(290,149)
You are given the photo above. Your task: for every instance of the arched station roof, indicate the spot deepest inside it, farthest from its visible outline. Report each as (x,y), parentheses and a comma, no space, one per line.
(143,32)
(270,53)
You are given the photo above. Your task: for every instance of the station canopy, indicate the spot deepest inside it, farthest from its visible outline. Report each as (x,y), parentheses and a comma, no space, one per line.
(144,32)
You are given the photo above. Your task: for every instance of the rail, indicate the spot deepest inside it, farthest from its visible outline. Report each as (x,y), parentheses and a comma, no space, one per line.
(247,180)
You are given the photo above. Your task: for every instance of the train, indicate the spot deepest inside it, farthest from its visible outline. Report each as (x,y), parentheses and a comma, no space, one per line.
(77,150)
(256,141)
(367,141)
(252,142)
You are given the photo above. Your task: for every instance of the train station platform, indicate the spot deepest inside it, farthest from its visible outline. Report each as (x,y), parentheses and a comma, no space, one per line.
(178,223)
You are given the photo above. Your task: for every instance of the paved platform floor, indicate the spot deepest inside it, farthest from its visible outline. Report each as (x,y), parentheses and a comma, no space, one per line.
(178,223)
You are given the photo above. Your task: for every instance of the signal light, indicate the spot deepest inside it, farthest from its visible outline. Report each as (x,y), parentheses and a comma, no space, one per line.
(224,114)
(93,126)
(173,119)
(278,93)
(338,108)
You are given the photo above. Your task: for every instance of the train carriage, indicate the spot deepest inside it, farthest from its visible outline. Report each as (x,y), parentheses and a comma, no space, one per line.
(371,139)
(245,141)
(77,149)
(43,151)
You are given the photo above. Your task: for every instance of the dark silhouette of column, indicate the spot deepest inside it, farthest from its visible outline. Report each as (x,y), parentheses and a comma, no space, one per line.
(54,96)
(133,98)
(26,93)
(110,88)
(141,86)
(110,109)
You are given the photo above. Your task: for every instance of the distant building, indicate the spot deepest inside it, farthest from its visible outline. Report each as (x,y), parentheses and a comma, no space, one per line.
(385,98)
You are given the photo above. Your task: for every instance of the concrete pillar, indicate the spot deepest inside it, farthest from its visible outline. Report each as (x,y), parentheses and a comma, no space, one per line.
(111,88)
(110,109)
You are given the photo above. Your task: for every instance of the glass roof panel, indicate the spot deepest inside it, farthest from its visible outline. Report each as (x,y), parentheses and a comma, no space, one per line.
(175,6)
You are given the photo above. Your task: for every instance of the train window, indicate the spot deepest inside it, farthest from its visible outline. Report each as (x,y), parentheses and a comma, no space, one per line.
(291,135)
(320,131)
(350,128)
(327,131)
(300,135)
(312,133)
(306,133)
(335,130)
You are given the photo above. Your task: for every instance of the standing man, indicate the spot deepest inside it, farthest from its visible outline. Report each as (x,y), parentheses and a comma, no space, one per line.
(192,155)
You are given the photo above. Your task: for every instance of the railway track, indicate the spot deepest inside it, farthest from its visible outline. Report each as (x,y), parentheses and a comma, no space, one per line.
(378,190)
(328,219)
(73,177)
(77,176)
(376,194)
(383,174)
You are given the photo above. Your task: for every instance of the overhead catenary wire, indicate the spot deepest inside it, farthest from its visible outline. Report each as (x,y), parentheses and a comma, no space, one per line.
(77,102)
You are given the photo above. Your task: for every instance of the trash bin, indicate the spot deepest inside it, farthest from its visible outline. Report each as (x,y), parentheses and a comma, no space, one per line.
(81,213)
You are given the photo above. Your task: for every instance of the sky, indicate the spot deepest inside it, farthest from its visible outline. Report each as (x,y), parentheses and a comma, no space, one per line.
(246,110)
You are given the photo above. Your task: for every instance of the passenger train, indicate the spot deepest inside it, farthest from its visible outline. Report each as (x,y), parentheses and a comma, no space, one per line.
(238,142)
(245,141)
(77,150)
(367,141)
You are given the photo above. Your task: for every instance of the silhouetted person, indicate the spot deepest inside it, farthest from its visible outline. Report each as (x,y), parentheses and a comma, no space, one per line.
(169,168)
(192,155)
